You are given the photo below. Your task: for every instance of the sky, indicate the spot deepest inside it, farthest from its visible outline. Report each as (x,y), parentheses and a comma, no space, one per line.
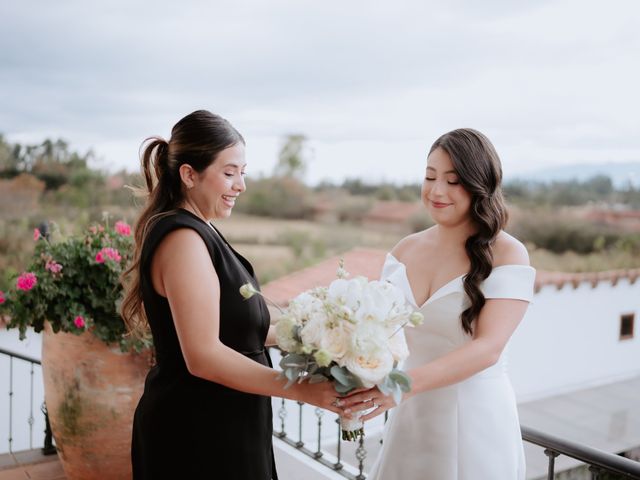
(371,84)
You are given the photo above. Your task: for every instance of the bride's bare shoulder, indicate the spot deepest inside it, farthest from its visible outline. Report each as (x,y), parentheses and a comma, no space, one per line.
(410,243)
(508,250)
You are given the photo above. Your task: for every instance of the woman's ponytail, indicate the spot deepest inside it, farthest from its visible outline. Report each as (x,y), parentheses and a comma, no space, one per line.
(154,161)
(196,139)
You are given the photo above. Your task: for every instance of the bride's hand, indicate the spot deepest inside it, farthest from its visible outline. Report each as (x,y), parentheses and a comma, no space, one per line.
(367,400)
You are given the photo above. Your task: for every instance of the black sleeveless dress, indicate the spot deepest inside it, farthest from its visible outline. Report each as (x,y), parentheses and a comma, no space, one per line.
(188,427)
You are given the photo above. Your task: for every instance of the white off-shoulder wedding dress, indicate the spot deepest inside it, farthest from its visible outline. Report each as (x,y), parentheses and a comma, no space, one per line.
(466,431)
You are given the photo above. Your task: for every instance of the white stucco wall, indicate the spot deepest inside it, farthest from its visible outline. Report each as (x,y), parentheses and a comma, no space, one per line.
(570,339)
(23,405)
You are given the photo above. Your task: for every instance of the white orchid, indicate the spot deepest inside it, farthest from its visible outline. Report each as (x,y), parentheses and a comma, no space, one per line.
(347,292)
(398,347)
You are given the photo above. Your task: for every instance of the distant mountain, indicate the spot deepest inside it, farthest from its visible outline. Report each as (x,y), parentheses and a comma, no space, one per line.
(620,173)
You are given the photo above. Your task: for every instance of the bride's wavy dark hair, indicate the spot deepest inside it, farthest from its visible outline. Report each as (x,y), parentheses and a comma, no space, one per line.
(477,165)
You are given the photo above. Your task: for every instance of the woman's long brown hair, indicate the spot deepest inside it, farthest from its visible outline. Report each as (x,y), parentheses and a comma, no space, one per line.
(196,139)
(477,165)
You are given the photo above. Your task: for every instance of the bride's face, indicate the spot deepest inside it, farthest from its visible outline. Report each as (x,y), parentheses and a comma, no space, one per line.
(446,200)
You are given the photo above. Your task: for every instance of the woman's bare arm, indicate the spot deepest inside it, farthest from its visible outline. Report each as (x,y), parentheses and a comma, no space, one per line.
(182,271)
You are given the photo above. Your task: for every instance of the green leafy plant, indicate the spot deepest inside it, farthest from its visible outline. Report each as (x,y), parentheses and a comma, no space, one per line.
(73,283)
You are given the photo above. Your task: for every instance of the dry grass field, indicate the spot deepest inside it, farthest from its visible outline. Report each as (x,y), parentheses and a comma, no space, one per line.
(274,246)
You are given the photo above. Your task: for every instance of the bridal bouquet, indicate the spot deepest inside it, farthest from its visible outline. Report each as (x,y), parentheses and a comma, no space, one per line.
(349,333)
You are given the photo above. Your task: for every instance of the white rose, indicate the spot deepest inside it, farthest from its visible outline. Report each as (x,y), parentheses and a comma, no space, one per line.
(285,334)
(367,337)
(370,367)
(304,306)
(314,330)
(337,338)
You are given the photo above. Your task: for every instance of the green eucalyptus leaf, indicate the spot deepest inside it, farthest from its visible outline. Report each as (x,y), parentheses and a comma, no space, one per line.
(318,378)
(397,394)
(293,360)
(401,378)
(342,375)
(343,389)
(289,383)
(291,373)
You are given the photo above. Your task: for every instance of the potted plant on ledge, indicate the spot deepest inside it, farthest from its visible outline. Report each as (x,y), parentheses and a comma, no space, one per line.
(93,372)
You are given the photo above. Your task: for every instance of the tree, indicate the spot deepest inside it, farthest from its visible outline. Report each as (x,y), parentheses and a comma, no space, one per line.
(291,159)
(50,161)
(9,158)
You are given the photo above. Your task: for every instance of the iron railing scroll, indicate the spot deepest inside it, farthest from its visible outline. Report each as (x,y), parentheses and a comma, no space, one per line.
(48,447)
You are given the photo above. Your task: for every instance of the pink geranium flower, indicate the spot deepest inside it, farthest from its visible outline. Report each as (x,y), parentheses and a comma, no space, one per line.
(108,253)
(53,266)
(2,299)
(26,281)
(36,234)
(123,228)
(79,321)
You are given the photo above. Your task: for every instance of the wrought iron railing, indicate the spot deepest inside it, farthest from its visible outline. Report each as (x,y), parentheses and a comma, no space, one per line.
(316,441)
(316,451)
(48,447)
(601,464)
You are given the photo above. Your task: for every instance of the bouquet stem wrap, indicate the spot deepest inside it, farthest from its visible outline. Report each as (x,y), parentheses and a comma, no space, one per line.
(352,428)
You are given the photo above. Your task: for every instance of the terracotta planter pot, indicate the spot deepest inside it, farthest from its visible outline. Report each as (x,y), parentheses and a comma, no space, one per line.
(91,392)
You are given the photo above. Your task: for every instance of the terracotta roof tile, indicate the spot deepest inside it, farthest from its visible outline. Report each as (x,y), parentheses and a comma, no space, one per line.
(560,279)
(368,262)
(393,211)
(359,261)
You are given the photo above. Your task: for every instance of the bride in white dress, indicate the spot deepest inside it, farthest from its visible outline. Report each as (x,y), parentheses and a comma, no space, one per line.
(473,283)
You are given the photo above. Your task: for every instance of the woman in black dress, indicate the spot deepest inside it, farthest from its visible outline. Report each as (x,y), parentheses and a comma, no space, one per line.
(206,407)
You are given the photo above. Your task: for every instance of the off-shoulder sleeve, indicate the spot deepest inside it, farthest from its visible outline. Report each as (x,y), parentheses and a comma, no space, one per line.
(390,269)
(510,281)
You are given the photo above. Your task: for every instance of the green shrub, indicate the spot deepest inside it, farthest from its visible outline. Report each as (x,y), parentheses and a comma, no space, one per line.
(563,233)
(278,197)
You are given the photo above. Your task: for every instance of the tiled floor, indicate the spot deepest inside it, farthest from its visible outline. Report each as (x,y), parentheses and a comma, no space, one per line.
(605,417)
(30,466)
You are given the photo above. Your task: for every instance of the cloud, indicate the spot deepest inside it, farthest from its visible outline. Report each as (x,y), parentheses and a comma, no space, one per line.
(545,80)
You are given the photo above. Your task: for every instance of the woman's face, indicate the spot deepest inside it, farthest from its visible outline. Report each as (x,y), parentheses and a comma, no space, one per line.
(446,200)
(216,189)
